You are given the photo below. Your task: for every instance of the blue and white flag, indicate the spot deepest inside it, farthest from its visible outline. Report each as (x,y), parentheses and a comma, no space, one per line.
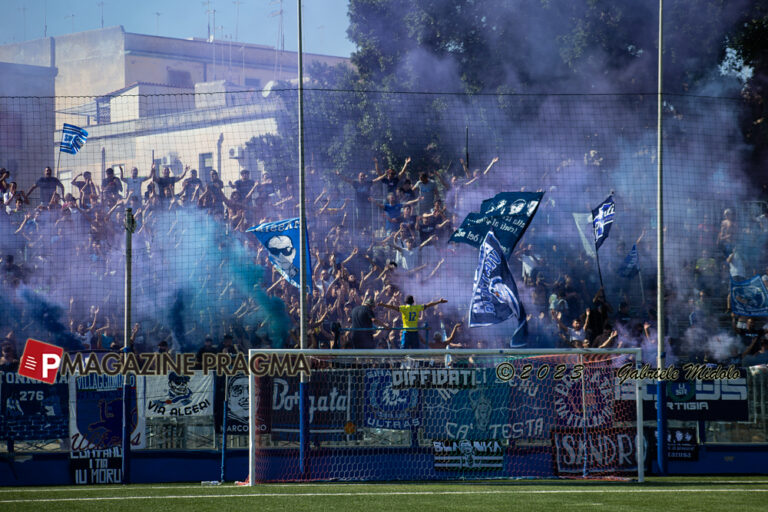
(629,268)
(602,218)
(281,239)
(507,215)
(494,296)
(72,139)
(749,298)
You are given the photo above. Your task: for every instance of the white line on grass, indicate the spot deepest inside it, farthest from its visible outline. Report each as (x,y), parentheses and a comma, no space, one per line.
(393,493)
(521,483)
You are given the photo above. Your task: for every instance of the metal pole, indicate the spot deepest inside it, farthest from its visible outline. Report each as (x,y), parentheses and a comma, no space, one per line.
(130,226)
(224,431)
(303,385)
(660,396)
(466,147)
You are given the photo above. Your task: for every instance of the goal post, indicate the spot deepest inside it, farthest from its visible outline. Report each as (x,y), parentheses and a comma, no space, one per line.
(376,415)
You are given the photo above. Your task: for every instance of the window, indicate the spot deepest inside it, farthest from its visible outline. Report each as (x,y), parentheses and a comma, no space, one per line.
(253,82)
(179,78)
(205,167)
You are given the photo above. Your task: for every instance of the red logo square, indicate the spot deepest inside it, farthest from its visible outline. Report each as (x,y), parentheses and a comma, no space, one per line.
(40,361)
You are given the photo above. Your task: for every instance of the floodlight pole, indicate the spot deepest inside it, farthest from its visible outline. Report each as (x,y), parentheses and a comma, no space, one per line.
(130,226)
(661,441)
(303,392)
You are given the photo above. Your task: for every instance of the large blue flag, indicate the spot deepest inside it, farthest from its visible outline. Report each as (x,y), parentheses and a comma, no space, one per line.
(629,267)
(494,297)
(602,218)
(749,298)
(281,239)
(72,139)
(507,215)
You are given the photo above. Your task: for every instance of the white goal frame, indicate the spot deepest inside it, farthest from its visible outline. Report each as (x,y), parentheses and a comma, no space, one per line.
(400,353)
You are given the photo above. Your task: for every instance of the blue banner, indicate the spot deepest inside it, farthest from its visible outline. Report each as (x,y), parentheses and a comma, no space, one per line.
(281,239)
(629,267)
(476,413)
(507,216)
(602,219)
(33,410)
(749,298)
(385,407)
(494,297)
(96,418)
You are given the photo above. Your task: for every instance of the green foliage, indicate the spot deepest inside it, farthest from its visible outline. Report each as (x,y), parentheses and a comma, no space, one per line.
(509,47)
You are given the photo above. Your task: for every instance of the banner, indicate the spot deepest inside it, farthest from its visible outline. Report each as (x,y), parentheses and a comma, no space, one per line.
(602,219)
(477,413)
(697,400)
(494,296)
(175,396)
(466,455)
(281,239)
(33,410)
(601,451)
(96,418)
(507,215)
(103,466)
(237,404)
(387,407)
(749,298)
(330,403)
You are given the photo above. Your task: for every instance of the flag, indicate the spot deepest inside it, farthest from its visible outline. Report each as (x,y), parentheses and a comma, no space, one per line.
(584,226)
(281,239)
(507,215)
(602,218)
(72,139)
(749,298)
(494,296)
(629,267)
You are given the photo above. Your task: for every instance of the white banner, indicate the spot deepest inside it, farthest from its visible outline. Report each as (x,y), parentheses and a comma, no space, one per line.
(178,396)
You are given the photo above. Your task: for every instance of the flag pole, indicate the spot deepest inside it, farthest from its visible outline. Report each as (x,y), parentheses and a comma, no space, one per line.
(58,159)
(599,272)
(466,147)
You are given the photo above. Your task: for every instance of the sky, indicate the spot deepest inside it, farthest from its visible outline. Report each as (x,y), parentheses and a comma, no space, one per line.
(325,21)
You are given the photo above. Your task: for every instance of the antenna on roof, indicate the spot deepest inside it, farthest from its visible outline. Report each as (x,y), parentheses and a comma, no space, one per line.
(280,46)
(157,22)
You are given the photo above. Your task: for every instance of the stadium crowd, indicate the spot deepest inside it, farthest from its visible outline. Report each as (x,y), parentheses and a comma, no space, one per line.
(385,241)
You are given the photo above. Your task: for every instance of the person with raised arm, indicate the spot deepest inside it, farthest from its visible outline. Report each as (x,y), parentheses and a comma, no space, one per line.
(410,316)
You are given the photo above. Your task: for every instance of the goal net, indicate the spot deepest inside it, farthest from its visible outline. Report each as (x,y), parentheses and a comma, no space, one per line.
(442,415)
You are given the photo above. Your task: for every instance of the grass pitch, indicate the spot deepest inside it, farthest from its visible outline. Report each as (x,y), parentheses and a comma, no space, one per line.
(671,493)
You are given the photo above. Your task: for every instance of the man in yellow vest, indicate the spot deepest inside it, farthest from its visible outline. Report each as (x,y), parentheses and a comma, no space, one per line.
(410,313)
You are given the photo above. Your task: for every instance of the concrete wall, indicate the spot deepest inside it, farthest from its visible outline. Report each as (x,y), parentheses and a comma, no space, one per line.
(26,121)
(146,100)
